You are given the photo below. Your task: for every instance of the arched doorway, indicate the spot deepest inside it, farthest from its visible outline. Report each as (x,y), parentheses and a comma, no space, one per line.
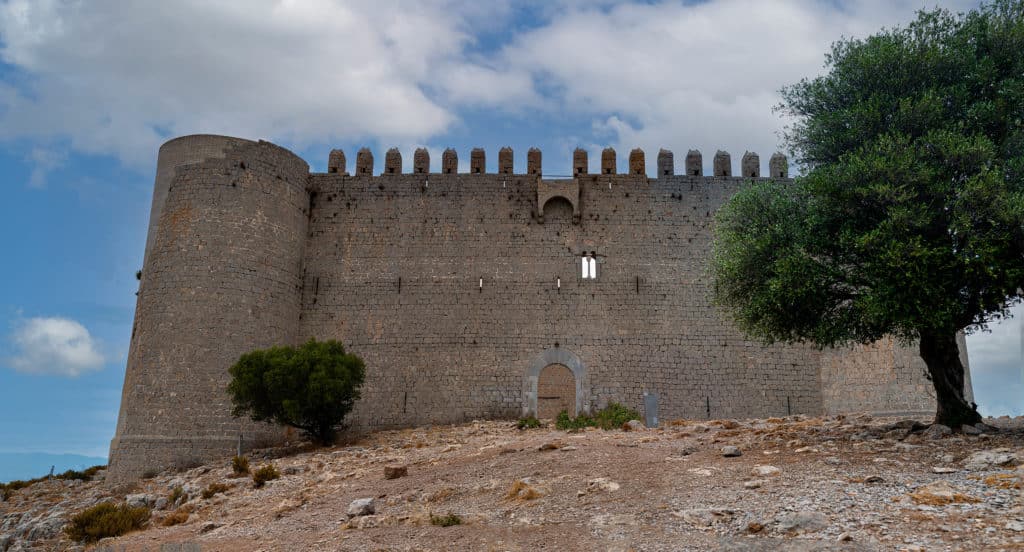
(556,391)
(553,364)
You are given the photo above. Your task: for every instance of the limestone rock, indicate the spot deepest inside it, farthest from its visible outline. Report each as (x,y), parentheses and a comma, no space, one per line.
(754,484)
(1015,526)
(394,472)
(602,484)
(141,499)
(704,517)
(765,471)
(802,522)
(936,431)
(939,493)
(970,430)
(731,451)
(361,507)
(985,459)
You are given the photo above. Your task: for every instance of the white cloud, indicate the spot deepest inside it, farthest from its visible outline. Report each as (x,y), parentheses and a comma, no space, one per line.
(58,346)
(997,366)
(700,76)
(43,160)
(116,78)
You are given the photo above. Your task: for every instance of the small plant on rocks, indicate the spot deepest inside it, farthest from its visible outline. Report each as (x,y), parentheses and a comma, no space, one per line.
(264,474)
(610,417)
(176,494)
(529,422)
(215,488)
(240,466)
(175,518)
(445,521)
(106,520)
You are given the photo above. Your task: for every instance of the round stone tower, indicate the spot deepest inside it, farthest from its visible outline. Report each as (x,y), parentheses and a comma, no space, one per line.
(222,275)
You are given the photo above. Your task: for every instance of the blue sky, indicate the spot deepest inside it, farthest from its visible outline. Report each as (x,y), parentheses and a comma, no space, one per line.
(88,91)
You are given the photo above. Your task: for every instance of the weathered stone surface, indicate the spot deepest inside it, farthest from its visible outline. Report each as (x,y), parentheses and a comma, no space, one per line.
(765,470)
(451,289)
(802,522)
(704,517)
(579,161)
(394,472)
(984,459)
(730,451)
(936,431)
(361,507)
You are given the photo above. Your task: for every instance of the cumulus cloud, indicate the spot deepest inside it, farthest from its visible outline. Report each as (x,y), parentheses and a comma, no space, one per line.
(57,346)
(703,75)
(997,366)
(118,78)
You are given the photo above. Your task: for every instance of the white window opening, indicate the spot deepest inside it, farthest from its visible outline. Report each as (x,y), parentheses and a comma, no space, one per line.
(589,266)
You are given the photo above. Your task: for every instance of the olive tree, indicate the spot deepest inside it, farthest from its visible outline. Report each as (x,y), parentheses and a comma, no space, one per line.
(909,218)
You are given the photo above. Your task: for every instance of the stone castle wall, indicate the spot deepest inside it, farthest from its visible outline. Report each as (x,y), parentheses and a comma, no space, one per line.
(457,290)
(223,276)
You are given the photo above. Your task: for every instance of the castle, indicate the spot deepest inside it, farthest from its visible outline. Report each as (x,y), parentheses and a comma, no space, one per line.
(468,295)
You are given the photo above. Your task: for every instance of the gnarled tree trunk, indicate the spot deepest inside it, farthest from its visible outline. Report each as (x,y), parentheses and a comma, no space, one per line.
(941,354)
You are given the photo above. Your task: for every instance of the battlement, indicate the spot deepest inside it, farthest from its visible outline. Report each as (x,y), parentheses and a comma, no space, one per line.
(750,164)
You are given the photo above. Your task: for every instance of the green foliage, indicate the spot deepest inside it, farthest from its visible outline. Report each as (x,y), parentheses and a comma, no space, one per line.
(311,387)
(445,521)
(529,422)
(106,520)
(216,488)
(910,219)
(240,465)
(264,474)
(176,494)
(610,417)
(85,475)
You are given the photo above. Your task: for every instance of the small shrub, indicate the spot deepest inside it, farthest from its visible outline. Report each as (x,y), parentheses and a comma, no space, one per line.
(176,494)
(106,520)
(610,417)
(149,474)
(5,492)
(240,466)
(214,489)
(176,518)
(445,521)
(264,474)
(529,422)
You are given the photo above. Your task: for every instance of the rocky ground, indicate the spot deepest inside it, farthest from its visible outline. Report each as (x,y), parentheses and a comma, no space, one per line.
(798,483)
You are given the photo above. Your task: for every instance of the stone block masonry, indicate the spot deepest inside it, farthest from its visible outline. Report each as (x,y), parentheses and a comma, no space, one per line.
(458,290)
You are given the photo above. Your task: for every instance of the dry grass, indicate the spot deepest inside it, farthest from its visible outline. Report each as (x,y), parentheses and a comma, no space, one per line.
(441,494)
(521,490)
(1003,481)
(175,518)
(932,499)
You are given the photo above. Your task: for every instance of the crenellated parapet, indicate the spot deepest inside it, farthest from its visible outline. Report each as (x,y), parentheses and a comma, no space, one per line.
(477,161)
(694,163)
(449,161)
(364,162)
(421,161)
(505,160)
(778,166)
(750,165)
(666,165)
(636,162)
(579,161)
(393,161)
(608,164)
(336,162)
(533,160)
(723,163)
